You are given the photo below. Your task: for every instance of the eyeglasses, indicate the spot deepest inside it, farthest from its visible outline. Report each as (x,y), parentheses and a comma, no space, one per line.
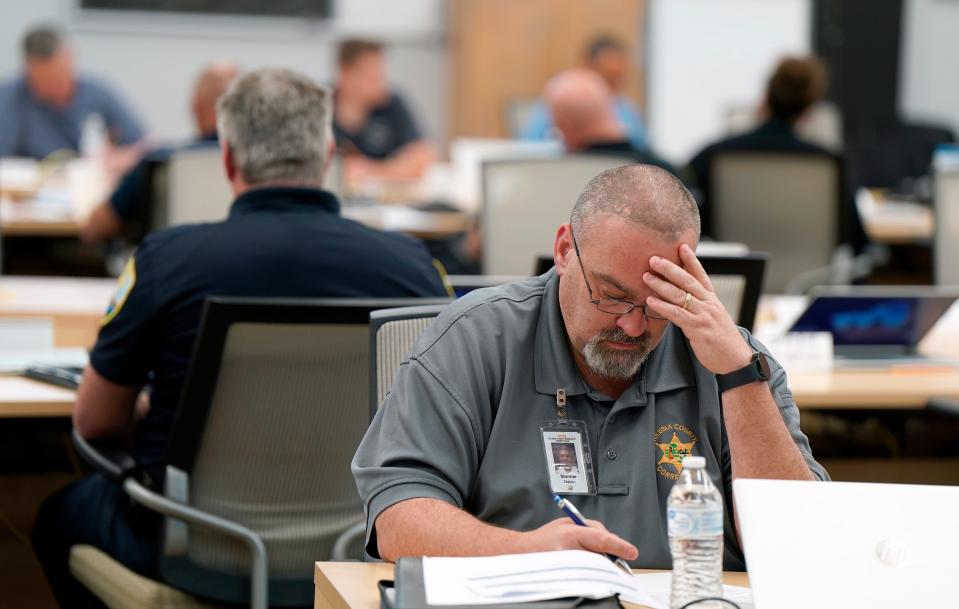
(612,306)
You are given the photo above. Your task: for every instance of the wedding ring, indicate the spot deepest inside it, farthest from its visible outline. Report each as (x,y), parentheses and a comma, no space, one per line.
(687,300)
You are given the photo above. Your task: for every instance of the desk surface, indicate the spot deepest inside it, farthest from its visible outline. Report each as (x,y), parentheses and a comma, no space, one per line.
(26,398)
(901,388)
(352,585)
(894,222)
(76,305)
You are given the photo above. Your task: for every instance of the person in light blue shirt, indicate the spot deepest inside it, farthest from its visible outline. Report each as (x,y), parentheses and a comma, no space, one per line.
(45,108)
(607,57)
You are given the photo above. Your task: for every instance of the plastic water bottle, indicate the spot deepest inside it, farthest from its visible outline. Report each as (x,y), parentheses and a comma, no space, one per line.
(694,516)
(93,136)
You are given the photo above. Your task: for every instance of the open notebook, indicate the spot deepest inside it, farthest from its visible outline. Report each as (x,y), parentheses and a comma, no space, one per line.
(520,578)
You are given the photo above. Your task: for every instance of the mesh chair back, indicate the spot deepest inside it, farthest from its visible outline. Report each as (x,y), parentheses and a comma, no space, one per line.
(197,187)
(525,200)
(787,204)
(392,334)
(947,227)
(273,409)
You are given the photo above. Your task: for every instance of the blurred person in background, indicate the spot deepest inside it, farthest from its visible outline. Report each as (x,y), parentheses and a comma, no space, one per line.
(107,220)
(607,57)
(795,85)
(580,103)
(48,107)
(375,130)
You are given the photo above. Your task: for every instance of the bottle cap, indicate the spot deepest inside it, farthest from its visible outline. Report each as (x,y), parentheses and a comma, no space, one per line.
(692,462)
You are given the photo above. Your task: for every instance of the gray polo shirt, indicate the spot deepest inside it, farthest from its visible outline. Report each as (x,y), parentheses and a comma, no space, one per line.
(462,423)
(33,128)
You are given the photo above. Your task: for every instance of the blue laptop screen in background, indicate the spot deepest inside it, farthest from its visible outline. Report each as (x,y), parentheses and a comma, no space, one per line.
(873,320)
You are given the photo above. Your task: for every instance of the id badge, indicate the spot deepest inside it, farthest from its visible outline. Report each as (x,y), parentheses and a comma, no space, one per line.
(569,467)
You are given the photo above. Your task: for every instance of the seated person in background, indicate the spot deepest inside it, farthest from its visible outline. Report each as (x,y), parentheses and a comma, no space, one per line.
(374,129)
(46,108)
(606,57)
(579,101)
(106,220)
(796,84)
(284,237)
(625,336)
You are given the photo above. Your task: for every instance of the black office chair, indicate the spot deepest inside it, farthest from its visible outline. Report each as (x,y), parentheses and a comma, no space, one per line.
(738,281)
(258,483)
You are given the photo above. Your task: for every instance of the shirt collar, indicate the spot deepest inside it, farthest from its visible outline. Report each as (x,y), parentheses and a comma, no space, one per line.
(284,198)
(774,126)
(667,368)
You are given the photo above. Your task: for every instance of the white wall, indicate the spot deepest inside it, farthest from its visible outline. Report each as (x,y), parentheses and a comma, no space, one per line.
(152,59)
(704,56)
(928,79)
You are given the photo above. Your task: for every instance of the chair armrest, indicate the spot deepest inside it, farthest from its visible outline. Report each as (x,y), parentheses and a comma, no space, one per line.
(944,406)
(259,574)
(345,539)
(110,460)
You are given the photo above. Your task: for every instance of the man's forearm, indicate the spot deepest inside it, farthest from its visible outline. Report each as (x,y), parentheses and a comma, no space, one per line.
(430,527)
(759,442)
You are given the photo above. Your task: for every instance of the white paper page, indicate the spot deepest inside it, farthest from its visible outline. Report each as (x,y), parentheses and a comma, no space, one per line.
(657,586)
(26,333)
(519,578)
(18,361)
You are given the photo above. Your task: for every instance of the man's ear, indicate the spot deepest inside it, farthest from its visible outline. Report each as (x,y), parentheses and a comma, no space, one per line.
(563,248)
(228,163)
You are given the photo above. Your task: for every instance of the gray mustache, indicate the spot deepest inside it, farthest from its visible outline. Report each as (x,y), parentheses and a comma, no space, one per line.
(619,336)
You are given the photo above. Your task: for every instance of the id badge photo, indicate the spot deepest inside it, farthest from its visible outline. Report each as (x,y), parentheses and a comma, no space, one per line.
(569,467)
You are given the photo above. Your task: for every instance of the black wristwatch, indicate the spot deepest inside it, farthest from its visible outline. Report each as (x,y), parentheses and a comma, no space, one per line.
(756,370)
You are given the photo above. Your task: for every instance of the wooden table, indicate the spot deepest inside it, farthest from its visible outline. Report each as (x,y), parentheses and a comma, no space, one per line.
(22,398)
(352,585)
(894,222)
(906,387)
(76,305)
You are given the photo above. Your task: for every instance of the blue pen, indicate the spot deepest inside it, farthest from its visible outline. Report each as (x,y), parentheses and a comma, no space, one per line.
(570,510)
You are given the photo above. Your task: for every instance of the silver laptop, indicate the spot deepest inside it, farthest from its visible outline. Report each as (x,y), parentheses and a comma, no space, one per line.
(875,324)
(844,545)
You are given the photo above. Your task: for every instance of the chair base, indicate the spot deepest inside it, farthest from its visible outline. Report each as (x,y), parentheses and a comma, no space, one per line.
(120,588)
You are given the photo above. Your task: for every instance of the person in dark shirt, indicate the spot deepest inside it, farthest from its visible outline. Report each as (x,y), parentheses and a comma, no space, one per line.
(45,110)
(374,129)
(796,84)
(583,111)
(106,221)
(284,237)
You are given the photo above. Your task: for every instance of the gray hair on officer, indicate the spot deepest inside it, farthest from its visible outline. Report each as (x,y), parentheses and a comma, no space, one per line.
(276,125)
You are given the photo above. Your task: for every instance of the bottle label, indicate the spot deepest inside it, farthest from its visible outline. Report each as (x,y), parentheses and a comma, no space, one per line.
(694,522)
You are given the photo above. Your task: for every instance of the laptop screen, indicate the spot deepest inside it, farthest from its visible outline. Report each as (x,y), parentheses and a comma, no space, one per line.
(874,320)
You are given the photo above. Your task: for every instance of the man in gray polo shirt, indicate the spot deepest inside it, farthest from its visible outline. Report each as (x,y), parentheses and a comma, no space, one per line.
(625,346)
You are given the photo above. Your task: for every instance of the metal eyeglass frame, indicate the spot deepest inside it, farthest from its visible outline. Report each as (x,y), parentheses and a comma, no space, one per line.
(612,301)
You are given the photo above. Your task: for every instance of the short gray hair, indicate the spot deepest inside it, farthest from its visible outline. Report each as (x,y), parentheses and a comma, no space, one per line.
(276,124)
(646,195)
(42,42)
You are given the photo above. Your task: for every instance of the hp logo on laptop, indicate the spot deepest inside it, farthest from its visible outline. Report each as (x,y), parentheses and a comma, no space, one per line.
(894,553)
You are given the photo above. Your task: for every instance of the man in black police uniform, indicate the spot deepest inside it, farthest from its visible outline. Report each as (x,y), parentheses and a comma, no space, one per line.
(283,237)
(374,128)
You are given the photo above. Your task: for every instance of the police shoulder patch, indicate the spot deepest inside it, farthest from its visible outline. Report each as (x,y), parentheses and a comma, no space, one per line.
(125,283)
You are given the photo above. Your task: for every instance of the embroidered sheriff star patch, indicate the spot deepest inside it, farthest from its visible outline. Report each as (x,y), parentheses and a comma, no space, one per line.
(675,449)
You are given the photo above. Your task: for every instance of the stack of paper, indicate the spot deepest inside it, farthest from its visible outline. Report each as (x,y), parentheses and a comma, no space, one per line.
(519,578)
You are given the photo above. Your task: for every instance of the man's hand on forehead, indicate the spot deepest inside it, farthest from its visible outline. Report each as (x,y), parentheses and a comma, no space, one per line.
(685,296)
